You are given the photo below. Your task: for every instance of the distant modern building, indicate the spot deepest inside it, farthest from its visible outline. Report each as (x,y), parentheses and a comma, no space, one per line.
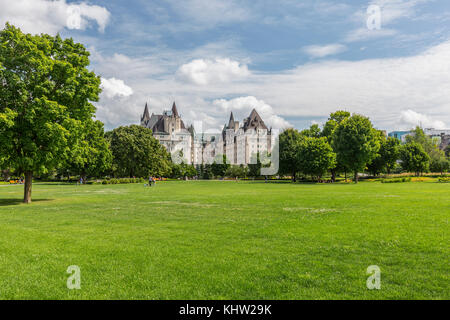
(400,135)
(441,137)
(239,142)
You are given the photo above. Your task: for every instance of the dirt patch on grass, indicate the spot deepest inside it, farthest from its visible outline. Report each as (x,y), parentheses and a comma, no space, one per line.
(310,213)
(309,210)
(106,191)
(188,204)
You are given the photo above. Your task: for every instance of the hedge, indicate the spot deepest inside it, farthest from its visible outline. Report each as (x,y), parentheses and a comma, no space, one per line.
(396,180)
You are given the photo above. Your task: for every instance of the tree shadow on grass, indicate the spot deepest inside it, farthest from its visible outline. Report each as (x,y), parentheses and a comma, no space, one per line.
(15,202)
(55,183)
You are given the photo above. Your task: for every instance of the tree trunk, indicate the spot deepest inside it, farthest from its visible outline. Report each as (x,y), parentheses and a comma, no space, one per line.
(345,172)
(83,176)
(27,187)
(356,176)
(333,175)
(294,179)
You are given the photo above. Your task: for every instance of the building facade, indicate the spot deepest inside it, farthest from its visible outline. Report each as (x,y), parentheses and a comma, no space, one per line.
(243,142)
(169,129)
(239,142)
(440,136)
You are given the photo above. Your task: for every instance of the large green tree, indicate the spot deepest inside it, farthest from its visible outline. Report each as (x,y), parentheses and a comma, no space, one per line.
(356,143)
(414,158)
(289,141)
(45,97)
(183,170)
(312,132)
(418,136)
(437,157)
(387,156)
(315,156)
(92,156)
(438,161)
(333,121)
(136,153)
(390,153)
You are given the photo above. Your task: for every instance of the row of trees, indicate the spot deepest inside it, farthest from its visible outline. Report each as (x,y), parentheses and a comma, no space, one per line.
(127,151)
(47,124)
(346,144)
(349,143)
(419,154)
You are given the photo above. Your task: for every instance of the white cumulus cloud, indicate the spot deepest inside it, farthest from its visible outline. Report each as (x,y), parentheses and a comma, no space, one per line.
(45,16)
(378,88)
(362,34)
(410,119)
(323,51)
(115,88)
(204,71)
(242,106)
(393,10)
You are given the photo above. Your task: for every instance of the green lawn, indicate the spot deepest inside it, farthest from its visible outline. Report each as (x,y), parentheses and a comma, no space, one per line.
(226,240)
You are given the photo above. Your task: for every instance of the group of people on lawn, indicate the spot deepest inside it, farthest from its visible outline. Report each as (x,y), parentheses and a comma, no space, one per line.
(18,181)
(151,181)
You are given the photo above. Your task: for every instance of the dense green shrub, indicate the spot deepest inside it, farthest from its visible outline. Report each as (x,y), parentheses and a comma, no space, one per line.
(444,180)
(121,181)
(396,180)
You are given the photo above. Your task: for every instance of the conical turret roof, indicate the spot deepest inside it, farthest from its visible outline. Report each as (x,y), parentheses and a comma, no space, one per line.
(231,122)
(146,115)
(174,110)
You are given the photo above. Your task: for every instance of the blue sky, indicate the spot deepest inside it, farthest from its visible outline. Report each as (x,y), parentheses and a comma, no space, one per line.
(294,61)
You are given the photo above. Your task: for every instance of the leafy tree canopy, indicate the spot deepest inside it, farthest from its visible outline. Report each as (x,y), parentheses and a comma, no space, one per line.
(136,153)
(390,153)
(289,140)
(438,161)
(45,98)
(313,132)
(220,166)
(356,143)
(92,156)
(419,136)
(414,158)
(315,156)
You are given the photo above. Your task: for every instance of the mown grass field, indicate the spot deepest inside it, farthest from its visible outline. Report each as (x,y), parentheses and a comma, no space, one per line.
(226,240)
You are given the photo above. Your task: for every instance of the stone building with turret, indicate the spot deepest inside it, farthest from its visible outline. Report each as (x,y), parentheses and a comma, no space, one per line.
(169,129)
(239,142)
(243,141)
